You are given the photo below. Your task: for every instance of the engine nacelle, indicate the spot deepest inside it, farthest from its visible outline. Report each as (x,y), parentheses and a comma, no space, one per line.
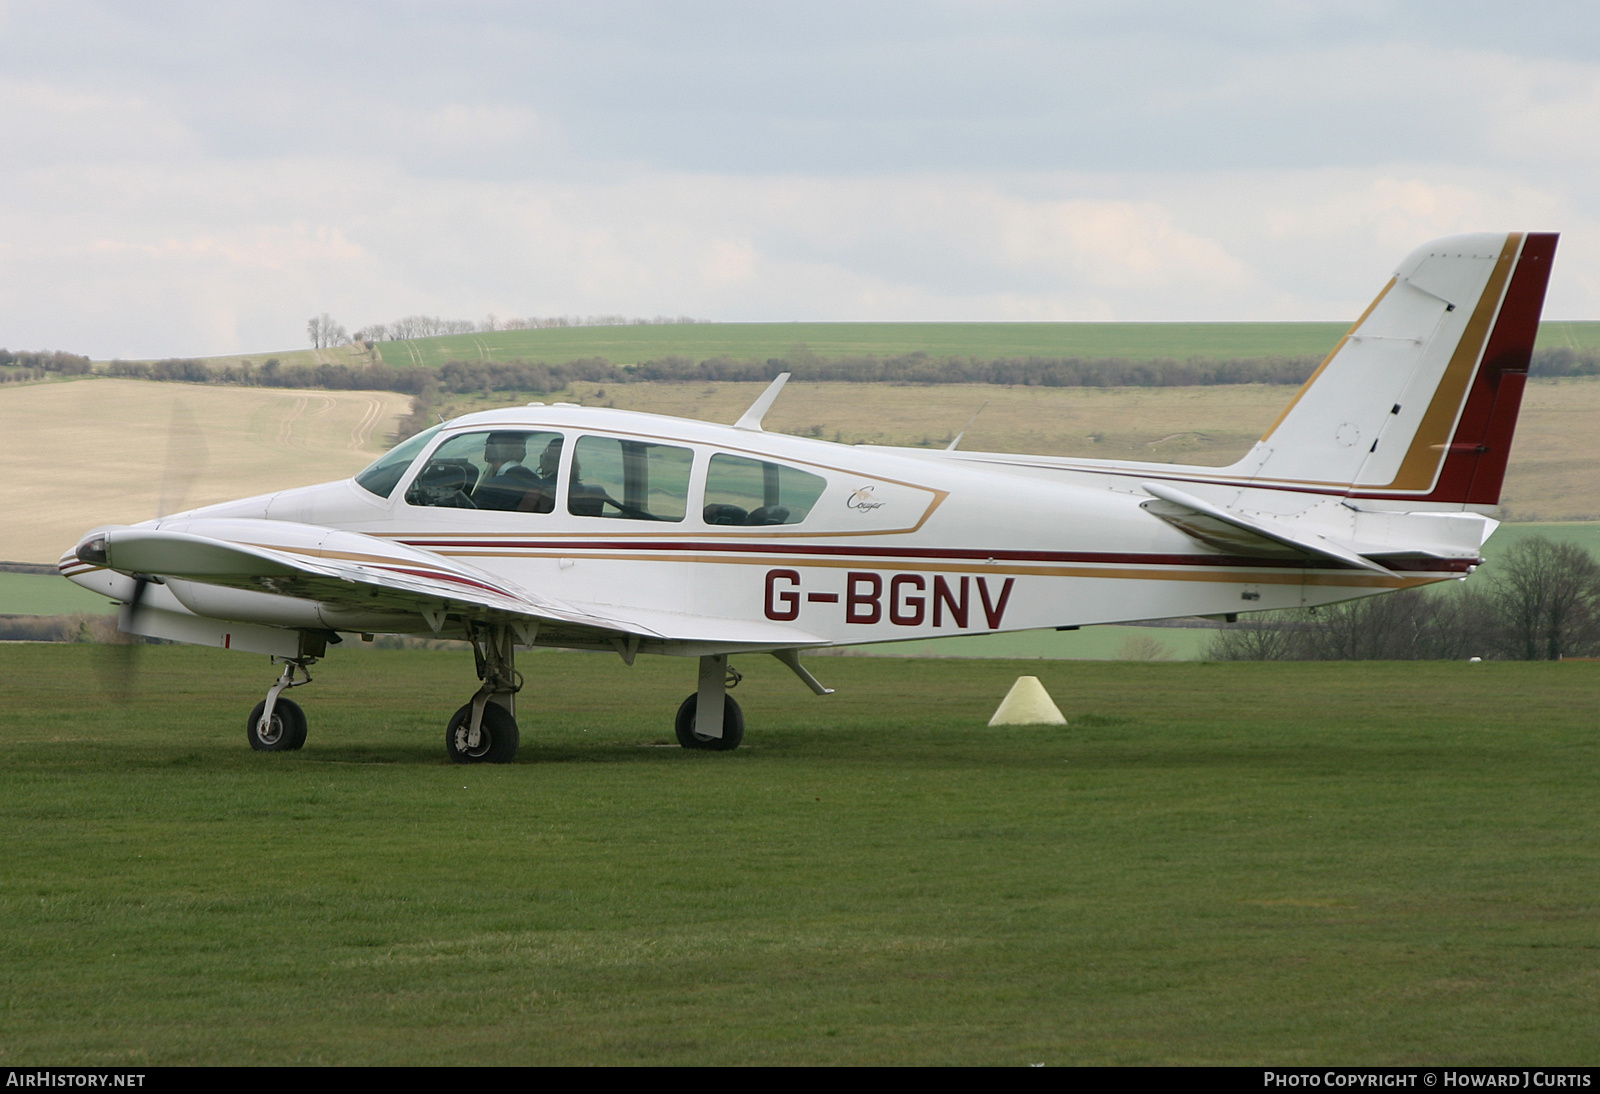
(274,610)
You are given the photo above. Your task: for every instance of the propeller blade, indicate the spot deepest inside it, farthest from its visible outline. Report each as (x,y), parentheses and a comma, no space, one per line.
(187,456)
(121,657)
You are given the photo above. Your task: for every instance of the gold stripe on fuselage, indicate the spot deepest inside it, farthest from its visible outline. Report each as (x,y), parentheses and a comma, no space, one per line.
(1276,576)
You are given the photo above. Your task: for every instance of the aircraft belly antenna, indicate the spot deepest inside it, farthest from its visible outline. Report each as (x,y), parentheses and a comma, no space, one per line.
(758,409)
(791,658)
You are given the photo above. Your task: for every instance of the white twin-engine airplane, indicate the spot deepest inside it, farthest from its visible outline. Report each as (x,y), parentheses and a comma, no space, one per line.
(612,530)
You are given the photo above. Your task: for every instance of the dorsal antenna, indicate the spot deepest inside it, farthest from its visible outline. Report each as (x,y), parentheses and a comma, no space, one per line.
(758,409)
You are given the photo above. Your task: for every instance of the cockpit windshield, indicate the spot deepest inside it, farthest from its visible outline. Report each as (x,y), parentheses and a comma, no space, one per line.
(386,472)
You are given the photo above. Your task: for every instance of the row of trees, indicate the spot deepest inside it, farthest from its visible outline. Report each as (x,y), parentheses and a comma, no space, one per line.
(24,365)
(1564,362)
(427,385)
(324,331)
(459,377)
(1540,602)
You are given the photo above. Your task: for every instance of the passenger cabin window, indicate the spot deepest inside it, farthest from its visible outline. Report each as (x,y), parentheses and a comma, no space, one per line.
(630,480)
(385,473)
(508,470)
(744,493)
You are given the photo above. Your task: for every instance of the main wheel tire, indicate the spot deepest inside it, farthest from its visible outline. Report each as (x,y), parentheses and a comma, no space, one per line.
(497,736)
(732,725)
(285,733)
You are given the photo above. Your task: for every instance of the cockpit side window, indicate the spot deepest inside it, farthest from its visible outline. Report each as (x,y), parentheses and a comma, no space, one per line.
(385,473)
(630,480)
(510,470)
(744,492)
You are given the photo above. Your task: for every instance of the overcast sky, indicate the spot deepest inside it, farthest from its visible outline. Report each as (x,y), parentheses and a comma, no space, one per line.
(185,179)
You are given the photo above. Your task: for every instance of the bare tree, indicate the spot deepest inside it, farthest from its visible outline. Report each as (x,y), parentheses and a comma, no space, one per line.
(1406,626)
(1546,597)
(1263,638)
(324,332)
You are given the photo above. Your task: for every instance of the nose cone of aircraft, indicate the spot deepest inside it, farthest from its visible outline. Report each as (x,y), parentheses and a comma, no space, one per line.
(92,550)
(92,547)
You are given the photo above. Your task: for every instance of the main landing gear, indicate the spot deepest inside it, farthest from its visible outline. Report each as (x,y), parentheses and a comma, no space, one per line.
(485,730)
(277,724)
(722,728)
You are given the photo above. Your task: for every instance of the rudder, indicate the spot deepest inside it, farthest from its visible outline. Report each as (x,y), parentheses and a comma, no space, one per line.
(1419,400)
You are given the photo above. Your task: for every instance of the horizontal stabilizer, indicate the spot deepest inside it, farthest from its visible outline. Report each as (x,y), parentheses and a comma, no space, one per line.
(1230,531)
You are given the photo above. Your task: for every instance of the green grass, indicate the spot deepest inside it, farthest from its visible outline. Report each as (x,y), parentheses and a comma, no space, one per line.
(1578,335)
(1139,341)
(47,594)
(1289,864)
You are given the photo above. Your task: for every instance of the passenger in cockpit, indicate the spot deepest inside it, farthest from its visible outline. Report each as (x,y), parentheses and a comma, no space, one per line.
(543,499)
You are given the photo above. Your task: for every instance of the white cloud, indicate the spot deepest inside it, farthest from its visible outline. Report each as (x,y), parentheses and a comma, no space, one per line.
(985,162)
(46,122)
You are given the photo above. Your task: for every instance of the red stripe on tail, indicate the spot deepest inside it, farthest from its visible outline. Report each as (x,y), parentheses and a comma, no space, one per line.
(1475,462)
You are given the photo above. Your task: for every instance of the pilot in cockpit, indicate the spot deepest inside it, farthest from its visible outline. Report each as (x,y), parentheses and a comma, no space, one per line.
(506,484)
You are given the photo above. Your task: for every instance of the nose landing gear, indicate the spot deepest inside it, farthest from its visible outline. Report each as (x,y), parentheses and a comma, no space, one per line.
(277,724)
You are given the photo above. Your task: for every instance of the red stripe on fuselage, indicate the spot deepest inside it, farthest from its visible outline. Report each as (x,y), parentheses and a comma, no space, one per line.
(930,554)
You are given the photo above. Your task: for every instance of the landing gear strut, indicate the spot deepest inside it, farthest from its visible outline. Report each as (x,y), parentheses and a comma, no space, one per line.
(277,724)
(722,727)
(485,730)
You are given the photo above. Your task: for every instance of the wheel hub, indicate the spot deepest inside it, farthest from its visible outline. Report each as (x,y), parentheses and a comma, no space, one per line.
(270,730)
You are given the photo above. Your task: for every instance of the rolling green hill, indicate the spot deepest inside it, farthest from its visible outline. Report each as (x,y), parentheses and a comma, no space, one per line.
(629,345)
(1139,341)
(700,341)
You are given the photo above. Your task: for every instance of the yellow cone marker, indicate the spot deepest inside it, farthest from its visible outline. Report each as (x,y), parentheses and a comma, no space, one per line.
(1027,704)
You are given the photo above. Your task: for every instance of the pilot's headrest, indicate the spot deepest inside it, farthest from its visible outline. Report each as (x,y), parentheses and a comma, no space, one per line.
(505,446)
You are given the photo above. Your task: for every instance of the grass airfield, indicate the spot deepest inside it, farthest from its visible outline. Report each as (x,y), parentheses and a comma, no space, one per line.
(1279,863)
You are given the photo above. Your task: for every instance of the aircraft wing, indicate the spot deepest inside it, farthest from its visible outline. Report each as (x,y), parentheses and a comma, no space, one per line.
(1231,531)
(352,572)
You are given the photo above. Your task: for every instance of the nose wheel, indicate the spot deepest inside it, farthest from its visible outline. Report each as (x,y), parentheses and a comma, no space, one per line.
(285,731)
(277,724)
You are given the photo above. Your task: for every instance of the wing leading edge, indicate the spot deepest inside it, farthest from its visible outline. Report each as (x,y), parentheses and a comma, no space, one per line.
(360,581)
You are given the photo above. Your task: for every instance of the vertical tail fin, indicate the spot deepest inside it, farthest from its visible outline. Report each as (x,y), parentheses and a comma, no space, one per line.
(1419,400)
